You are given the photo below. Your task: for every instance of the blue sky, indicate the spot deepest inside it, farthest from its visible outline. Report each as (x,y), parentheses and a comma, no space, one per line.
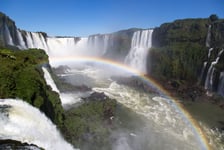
(86,17)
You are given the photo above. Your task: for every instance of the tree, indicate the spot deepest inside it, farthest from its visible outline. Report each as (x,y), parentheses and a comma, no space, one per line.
(213,18)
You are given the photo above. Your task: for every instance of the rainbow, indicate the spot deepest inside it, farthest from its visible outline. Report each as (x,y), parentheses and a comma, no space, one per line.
(195,126)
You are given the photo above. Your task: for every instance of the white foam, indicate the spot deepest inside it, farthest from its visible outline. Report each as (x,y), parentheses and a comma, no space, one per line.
(27,124)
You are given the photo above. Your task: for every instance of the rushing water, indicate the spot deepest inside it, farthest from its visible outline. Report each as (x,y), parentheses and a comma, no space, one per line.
(166,127)
(137,56)
(21,122)
(8,36)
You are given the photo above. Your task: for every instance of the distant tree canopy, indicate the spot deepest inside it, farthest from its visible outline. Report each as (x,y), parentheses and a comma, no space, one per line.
(213,18)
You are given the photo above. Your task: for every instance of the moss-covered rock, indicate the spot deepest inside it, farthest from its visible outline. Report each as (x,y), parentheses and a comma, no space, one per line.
(98,121)
(21,77)
(90,123)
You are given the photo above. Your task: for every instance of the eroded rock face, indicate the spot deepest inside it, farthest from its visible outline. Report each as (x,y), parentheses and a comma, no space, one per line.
(16,145)
(7,26)
(189,50)
(21,77)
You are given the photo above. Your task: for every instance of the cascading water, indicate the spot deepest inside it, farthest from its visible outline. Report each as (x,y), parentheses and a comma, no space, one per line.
(209,82)
(66,98)
(8,36)
(137,56)
(22,44)
(29,40)
(39,41)
(63,46)
(165,122)
(106,40)
(49,80)
(209,72)
(207,44)
(208,38)
(95,45)
(166,127)
(22,122)
(98,43)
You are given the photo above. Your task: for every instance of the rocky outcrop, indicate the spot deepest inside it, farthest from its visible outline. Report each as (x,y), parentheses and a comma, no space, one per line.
(21,77)
(178,49)
(213,69)
(16,145)
(89,125)
(189,50)
(181,31)
(7,26)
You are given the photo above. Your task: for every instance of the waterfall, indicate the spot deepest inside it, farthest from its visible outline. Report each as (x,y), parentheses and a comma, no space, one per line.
(203,71)
(8,36)
(49,80)
(60,46)
(99,44)
(64,97)
(214,81)
(106,39)
(29,40)
(208,38)
(22,44)
(210,74)
(209,52)
(39,41)
(23,122)
(137,56)
(95,45)
(204,77)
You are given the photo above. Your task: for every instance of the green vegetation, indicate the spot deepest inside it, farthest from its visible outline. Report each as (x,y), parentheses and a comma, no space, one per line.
(21,77)
(179,61)
(179,48)
(92,123)
(187,30)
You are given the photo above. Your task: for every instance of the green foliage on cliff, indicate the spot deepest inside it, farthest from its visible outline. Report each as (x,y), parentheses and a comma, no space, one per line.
(182,61)
(88,126)
(179,50)
(98,122)
(187,30)
(217,34)
(21,76)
